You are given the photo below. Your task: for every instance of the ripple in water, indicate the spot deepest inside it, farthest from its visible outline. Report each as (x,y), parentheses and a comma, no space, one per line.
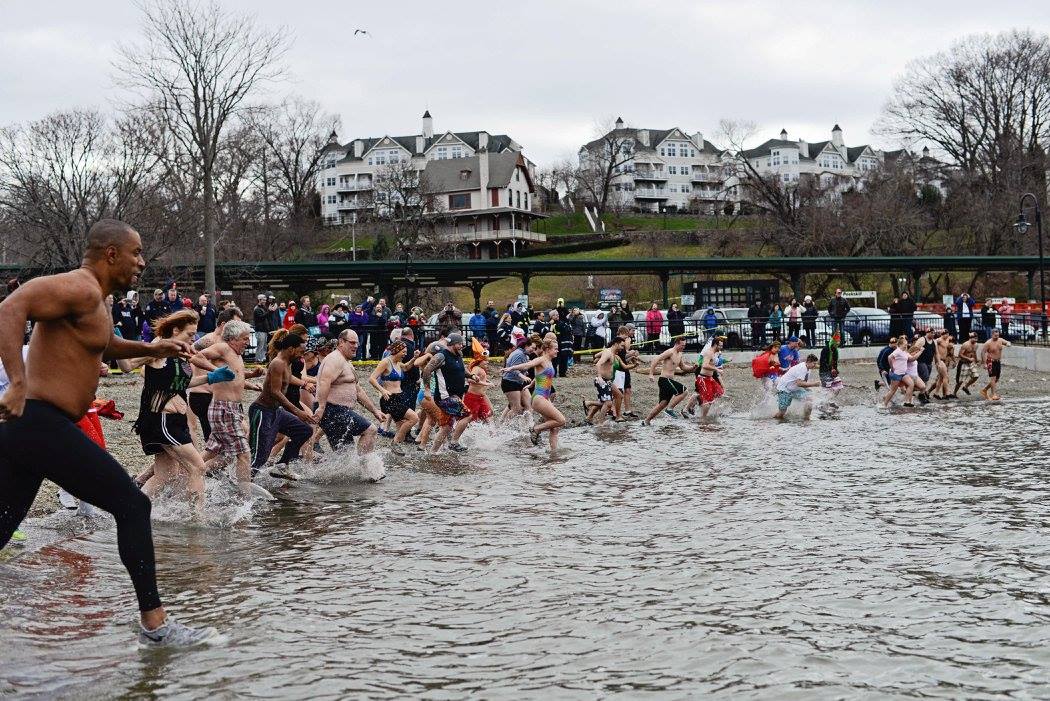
(876,555)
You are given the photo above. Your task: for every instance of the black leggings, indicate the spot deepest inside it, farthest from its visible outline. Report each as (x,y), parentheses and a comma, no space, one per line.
(44,444)
(199,403)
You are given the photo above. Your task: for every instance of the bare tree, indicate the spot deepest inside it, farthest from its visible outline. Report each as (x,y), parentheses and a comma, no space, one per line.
(404,207)
(66,171)
(197,66)
(601,162)
(980,102)
(295,133)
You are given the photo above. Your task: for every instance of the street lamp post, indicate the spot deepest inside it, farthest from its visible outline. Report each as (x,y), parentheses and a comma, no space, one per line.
(1022,227)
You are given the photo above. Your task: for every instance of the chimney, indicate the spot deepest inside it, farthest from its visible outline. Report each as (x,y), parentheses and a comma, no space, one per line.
(483,176)
(420,144)
(643,137)
(483,141)
(803,148)
(698,139)
(836,136)
(619,122)
(333,139)
(783,134)
(359,148)
(428,125)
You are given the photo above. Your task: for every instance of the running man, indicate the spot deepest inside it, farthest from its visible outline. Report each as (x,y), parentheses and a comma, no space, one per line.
(672,392)
(992,353)
(447,392)
(605,368)
(708,388)
(39,440)
(273,412)
(791,387)
(229,423)
(337,395)
(966,371)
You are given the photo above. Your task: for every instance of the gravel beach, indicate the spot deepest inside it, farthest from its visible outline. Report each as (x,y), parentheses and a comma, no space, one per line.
(743,392)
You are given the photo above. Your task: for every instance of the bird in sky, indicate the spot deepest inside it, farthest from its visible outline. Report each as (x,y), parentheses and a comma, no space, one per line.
(362,31)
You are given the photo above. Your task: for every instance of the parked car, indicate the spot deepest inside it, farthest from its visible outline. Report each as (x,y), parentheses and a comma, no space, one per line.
(867,325)
(924,320)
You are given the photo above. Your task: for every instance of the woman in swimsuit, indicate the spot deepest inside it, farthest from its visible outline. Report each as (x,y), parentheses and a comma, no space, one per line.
(543,393)
(386,378)
(162,424)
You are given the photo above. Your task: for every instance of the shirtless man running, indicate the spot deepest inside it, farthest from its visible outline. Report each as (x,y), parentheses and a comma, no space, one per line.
(671,391)
(966,371)
(708,388)
(55,387)
(605,368)
(940,360)
(273,412)
(229,423)
(200,396)
(992,351)
(337,393)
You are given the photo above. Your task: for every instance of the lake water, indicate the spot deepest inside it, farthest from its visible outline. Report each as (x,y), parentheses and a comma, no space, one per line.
(866,555)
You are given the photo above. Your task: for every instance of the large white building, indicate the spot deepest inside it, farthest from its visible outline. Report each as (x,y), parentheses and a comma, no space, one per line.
(480,186)
(835,165)
(660,169)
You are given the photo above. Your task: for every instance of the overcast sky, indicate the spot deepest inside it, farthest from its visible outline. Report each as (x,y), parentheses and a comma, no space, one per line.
(544,72)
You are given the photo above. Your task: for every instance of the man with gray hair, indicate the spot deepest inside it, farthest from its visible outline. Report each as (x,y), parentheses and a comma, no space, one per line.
(229,422)
(337,394)
(261,320)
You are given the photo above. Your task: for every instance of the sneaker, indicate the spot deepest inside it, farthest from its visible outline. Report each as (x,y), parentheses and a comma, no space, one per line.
(966,390)
(174,634)
(630,414)
(385,433)
(672,413)
(645,422)
(908,404)
(18,539)
(456,447)
(534,437)
(282,472)
(689,412)
(396,449)
(924,399)
(878,385)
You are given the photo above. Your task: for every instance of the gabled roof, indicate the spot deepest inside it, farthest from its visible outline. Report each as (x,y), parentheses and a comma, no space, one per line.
(816,147)
(855,152)
(447,174)
(656,137)
(766,148)
(497,143)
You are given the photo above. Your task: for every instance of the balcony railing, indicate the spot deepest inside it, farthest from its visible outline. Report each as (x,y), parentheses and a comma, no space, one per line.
(650,175)
(706,177)
(643,193)
(353,187)
(490,235)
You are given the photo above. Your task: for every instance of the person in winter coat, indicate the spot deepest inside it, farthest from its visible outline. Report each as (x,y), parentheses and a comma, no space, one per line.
(1006,310)
(540,325)
(710,322)
(758,316)
(503,330)
(599,329)
(478,325)
(491,322)
(675,322)
(906,308)
(621,315)
(654,324)
(579,328)
(793,317)
(289,316)
(339,319)
(563,330)
(809,321)
(322,319)
(838,308)
(964,306)
(776,321)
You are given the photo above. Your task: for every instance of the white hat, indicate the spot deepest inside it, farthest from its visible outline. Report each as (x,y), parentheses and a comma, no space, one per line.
(808,298)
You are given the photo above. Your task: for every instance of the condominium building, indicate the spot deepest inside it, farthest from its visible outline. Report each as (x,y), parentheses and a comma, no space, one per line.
(658,169)
(478,187)
(836,165)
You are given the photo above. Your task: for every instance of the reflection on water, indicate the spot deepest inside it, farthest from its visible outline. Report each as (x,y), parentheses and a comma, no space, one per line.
(870,555)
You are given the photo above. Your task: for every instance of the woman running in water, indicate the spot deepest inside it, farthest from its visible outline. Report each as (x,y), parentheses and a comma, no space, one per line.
(514,384)
(541,396)
(386,378)
(162,425)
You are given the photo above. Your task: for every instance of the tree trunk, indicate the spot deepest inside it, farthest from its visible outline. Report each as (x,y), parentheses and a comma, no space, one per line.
(209,232)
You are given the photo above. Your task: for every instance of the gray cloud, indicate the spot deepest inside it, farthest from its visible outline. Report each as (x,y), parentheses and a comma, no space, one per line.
(545,71)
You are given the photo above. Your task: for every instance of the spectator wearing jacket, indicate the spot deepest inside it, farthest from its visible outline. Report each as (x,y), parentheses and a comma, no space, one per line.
(654,324)
(322,319)
(1006,311)
(809,321)
(709,321)
(128,318)
(539,324)
(172,300)
(339,320)
(378,334)
(793,318)
(289,316)
(503,331)
(675,322)
(563,330)
(208,315)
(950,324)
(758,316)
(598,331)
(964,312)
(838,308)
(360,323)
(478,325)
(621,314)
(450,316)
(261,323)
(906,308)
(578,321)
(157,307)
(401,314)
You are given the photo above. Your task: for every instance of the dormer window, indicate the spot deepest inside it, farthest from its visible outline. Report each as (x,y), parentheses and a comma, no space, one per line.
(464,174)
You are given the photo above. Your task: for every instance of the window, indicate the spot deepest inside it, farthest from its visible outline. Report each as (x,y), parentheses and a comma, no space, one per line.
(331,199)
(526,200)
(517,176)
(673,170)
(330,182)
(457,152)
(519,199)
(442,153)
(662,151)
(460,201)
(671,151)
